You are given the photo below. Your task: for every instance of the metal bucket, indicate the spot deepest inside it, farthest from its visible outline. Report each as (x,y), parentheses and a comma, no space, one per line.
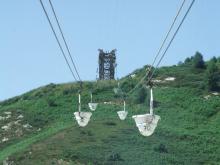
(146,123)
(122,114)
(82,118)
(93,106)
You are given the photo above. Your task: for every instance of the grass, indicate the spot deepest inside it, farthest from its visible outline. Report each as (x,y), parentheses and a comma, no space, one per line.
(188,132)
(23,144)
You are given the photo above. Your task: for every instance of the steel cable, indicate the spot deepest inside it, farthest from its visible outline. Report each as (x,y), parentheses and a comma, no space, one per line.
(60,46)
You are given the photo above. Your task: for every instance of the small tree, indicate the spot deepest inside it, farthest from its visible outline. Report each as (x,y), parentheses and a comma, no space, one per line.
(187,61)
(212,76)
(218,59)
(214,59)
(198,61)
(140,95)
(180,63)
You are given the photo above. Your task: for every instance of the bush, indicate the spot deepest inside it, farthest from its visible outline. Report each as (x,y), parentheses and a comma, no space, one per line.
(51,103)
(161,148)
(10,101)
(110,123)
(115,157)
(69,91)
(127,85)
(39,120)
(188,60)
(140,95)
(212,76)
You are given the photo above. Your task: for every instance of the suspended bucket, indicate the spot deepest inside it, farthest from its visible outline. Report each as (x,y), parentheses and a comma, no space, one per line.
(82,118)
(117,90)
(122,114)
(93,106)
(146,123)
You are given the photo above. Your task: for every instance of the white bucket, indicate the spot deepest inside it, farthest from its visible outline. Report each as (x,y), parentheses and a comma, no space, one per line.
(82,118)
(146,123)
(122,114)
(93,106)
(116,90)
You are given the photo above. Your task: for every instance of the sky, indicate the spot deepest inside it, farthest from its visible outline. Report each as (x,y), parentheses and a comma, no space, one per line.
(30,56)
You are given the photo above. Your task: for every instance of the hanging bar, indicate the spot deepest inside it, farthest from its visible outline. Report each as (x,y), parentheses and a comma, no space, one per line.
(151,101)
(91,97)
(79,102)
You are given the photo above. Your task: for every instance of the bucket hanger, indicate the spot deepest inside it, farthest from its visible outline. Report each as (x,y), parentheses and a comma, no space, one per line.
(91,96)
(80,96)
(79,107)
(151,101)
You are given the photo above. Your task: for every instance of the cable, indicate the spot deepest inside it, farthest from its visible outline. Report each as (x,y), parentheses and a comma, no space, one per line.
(62,34)
(162,45)
(46,14)
(168,46)
(168,33)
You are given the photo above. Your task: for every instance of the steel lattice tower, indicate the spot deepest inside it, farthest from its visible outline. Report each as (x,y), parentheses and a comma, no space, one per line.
(107,64)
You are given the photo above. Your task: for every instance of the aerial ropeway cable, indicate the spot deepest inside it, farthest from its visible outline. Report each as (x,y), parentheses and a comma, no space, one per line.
(57,39)
(82,118)
(64,40)
(147,123)
(162,45)
(172,39)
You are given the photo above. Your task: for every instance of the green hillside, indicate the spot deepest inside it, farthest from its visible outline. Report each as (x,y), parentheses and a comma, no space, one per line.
(40,128)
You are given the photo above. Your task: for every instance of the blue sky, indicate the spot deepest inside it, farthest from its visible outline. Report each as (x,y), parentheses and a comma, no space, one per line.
(30,57)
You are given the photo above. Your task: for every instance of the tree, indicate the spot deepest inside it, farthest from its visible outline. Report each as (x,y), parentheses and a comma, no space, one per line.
(218,59)
(212,76)
(140,95)
(198,61)
(214,59)
(180,63)
(187,60)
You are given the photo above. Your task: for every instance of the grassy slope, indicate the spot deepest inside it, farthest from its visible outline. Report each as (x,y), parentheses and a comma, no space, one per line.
(188,133)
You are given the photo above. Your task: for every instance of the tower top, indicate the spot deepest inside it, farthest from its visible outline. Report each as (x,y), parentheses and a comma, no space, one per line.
(107,64)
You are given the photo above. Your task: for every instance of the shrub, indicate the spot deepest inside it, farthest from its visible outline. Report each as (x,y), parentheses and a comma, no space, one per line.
(51,103)
(161,148)
(140,95)
(39,120)
(115,157)
(110,123)
(188,61)
(212,76)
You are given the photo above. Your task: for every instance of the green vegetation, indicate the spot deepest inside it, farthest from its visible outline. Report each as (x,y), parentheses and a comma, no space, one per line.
(212,75)
(188,132)
(198,61)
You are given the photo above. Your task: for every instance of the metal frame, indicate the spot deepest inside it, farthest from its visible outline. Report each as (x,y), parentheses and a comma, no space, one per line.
(107,64)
